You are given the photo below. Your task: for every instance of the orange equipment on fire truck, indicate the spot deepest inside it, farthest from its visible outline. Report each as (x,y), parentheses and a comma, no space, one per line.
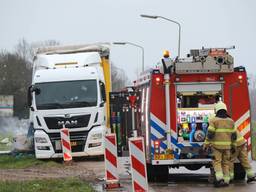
(176,101)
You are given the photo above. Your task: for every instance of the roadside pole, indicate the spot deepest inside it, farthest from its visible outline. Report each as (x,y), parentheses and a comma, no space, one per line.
(111,162)
(138,164)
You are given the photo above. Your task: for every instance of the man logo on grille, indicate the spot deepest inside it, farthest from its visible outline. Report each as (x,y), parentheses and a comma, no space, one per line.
(68,123)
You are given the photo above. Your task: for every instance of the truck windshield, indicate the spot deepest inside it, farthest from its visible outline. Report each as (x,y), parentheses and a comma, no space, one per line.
(66,94)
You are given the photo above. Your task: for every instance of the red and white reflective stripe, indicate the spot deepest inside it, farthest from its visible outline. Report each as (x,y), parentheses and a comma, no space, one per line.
(66,146)
(242,118)
(138,164)
(111,172)
(244,126)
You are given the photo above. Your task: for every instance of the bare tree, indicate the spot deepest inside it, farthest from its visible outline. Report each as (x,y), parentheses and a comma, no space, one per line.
(15,77)
(24,50)
(118,77)
(27,50)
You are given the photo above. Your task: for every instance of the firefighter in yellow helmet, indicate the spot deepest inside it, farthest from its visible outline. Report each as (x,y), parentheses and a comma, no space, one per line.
(240,152)
(220,137)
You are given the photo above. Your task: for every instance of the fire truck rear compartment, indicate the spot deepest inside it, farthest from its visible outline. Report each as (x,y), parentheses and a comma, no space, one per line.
(195,105)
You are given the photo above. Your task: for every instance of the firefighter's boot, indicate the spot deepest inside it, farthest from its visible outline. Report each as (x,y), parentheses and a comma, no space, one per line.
(250,175)
(220,183)
(251,179)
(211,177)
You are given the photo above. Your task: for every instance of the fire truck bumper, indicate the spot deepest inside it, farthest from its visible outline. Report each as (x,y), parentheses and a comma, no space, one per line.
(181,162)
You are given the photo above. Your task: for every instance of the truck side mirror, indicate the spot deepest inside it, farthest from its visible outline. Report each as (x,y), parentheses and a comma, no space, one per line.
(103,92)
(29,96)
(35,89)
(32,89)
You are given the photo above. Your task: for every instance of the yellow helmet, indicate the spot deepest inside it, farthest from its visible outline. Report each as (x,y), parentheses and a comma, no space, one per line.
(166,54)
(220,105)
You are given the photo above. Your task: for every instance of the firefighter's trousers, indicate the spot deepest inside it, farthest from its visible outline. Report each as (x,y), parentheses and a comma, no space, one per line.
(242,155)
(221,162)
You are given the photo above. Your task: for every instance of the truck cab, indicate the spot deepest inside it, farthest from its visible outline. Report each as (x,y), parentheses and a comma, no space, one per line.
(68,90)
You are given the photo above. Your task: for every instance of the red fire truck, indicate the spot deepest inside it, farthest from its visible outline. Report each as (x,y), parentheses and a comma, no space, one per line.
(176,101)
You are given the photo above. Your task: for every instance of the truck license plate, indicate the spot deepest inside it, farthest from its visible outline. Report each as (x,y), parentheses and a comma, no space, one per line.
(58,145)
(163,156)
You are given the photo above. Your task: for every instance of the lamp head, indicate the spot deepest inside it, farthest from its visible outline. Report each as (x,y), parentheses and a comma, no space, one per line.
(149,16)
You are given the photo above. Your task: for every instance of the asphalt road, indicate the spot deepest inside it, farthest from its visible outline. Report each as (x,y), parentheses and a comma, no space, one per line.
(182,180)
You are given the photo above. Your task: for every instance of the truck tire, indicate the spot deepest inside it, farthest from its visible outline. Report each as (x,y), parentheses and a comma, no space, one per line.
(157,173)
(239,172)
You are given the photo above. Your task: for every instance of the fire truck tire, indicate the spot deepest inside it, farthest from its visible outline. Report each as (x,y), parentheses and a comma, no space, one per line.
(239,172)
(193,167)
(157,173)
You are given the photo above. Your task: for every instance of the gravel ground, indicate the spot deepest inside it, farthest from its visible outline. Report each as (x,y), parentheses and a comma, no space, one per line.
(88,170)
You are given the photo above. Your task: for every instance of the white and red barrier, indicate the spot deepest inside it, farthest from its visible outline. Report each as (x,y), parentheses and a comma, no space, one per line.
(66,146)
(138,164)
(111,171)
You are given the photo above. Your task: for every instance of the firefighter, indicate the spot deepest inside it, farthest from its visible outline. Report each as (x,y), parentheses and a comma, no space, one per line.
(240,152)
(220,136)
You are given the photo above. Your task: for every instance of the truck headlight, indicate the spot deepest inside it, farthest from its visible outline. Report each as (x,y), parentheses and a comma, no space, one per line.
(96,136)
(40,140)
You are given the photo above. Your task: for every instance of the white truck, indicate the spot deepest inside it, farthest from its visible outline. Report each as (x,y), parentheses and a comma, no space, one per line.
(69,88)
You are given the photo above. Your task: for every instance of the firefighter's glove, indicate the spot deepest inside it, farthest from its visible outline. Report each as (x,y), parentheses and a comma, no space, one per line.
(233,149)
(233,136)
(210,135)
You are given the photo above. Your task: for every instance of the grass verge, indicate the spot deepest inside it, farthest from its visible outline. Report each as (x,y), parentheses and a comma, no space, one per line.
(56,185)
(24,161)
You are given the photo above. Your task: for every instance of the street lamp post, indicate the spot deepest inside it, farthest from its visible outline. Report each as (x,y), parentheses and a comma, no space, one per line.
(156,17)
(136,45)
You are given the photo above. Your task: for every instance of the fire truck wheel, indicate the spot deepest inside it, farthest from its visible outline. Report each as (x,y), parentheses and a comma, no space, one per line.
(193,167)
(239,172)
(157,173)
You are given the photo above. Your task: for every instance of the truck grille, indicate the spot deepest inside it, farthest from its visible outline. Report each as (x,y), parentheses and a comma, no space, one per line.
(79,137)
(72,122)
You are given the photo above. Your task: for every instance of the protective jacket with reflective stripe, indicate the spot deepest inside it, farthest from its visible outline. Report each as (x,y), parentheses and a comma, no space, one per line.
(240,139)
(222,129)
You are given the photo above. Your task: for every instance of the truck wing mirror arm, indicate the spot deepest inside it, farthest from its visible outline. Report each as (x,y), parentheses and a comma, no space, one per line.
(35,89)
(103,92)
(102,104)
(29,96)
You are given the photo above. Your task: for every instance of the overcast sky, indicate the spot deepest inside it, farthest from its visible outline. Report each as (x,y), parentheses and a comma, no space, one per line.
(205,23)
